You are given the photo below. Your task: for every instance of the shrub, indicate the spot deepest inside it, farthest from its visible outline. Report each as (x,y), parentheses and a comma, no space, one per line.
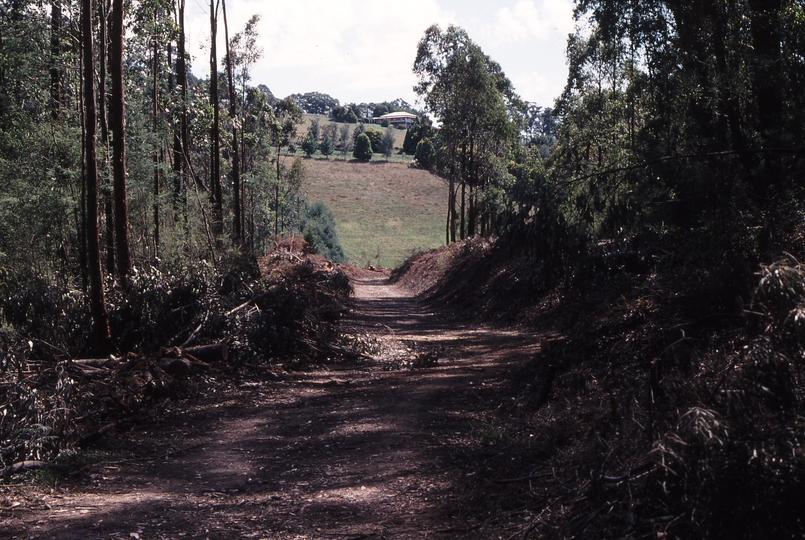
(425,153)
(376,137)
(326,146)
(388,143)
(363,148)
(309,145)
(318,229)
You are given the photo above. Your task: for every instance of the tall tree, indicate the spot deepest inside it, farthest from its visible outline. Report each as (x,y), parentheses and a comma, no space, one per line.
(237,219)
(479,112)
(287,115)
(216,194)
(104,56)
(55,57)
(180,130)
(100,318)
(118,124)
(155,73)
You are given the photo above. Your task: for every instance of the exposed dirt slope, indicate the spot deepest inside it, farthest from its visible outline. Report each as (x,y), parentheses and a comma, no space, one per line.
(374,450)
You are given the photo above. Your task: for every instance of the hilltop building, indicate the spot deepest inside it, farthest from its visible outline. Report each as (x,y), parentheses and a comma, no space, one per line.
(396,119)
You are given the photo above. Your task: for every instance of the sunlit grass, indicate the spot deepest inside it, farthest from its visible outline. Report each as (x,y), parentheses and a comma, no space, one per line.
(385,211)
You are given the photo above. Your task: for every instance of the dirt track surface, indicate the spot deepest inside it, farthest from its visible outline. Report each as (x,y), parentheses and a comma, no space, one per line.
(362,452)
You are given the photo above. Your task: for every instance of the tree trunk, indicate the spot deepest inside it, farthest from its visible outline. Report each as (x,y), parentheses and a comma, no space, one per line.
(100,319)
(216,195)
(55,58)
(118,116)
(237,231)
(155,112)
(277,196)
(103,56)
(451,199)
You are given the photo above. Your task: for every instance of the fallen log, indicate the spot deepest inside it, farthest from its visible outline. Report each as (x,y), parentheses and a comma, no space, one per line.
(28,465)
(96,362)
(217,352)
(176,366)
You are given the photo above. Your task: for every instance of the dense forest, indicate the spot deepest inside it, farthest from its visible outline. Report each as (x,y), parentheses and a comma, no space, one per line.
(668,175)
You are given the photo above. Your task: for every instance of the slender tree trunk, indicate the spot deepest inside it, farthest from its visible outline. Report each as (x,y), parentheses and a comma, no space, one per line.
(124,265)
(102,61)
(451,199)
(82,225)
(103,56)
(473,182)
(180,137)
(100,319)
(157,152)
(471,213)
(277,196)
(216,194)
(55,58)
(237,230)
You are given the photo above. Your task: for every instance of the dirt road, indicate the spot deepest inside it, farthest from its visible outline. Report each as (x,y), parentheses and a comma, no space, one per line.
(362,452)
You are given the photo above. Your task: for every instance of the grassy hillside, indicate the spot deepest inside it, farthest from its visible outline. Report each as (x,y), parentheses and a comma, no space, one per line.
(384,211)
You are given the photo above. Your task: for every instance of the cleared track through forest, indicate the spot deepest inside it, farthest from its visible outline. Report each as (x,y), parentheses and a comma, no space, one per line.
(360,452)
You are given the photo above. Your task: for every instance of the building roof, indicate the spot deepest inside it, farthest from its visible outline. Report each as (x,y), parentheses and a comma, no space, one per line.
(394,115)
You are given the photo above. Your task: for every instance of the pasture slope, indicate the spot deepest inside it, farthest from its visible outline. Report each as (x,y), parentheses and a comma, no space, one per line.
(385,211)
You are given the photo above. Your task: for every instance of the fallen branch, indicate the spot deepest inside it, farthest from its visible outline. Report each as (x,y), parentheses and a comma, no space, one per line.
(334,349)
(192,336)
(634,471)
(28,465)
(271,290)
(523,478)
(90,438)
(479,525)
(96,362)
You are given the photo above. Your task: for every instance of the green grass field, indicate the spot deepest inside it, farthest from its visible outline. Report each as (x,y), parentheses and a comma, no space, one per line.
(385,211)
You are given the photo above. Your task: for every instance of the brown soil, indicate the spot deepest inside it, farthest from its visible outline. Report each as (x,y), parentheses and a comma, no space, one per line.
(377,449)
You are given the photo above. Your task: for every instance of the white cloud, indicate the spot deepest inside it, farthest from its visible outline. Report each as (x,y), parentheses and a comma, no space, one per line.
(364,51)
(525,20)
(537,83)
(345,48)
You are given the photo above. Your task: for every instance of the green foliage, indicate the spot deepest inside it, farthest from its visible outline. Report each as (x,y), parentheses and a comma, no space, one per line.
(421,129)
(318,229)
(316,102)
(425,154)
(309,145)
(363,148)
(387,143)
(344,114)
(376,138)
(480,117)
(326,147)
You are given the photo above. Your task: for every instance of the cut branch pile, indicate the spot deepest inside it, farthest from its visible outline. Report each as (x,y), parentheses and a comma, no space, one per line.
(178,337)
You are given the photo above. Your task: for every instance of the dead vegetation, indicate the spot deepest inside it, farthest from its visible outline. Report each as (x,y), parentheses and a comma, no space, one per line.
(179,333)
(648,413)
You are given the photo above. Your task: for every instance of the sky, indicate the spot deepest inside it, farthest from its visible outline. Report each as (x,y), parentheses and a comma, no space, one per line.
(363,51)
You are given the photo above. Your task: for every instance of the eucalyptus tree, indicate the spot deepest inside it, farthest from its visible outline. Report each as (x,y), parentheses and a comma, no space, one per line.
(237,207)
(479,114)
(181,128)
(286,118)
(100,318)
(677,112)
(118,124)
(216,194)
